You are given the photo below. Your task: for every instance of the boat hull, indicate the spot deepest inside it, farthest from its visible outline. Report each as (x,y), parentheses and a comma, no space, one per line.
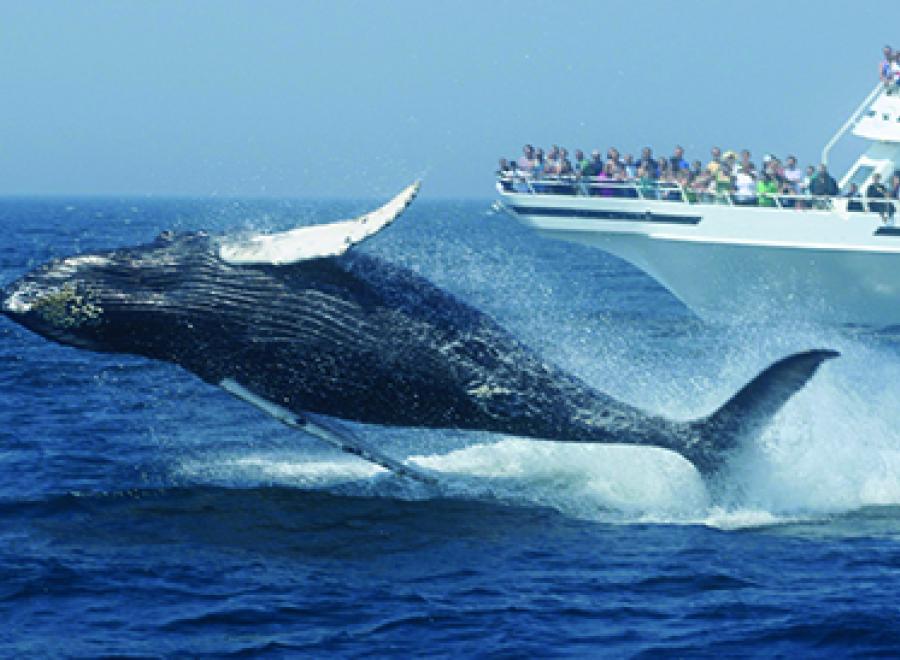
(730,262)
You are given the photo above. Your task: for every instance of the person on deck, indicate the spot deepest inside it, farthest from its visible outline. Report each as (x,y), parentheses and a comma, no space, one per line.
(723,183)
(715,161)
(677,161)
(767,188)
(877,190)
(854,204)
(630,166)
(793,175)
(646,183)
(647,162)
(884,68)
(526,161)
(745,185)
(580,162)
(594,166)
(823,184)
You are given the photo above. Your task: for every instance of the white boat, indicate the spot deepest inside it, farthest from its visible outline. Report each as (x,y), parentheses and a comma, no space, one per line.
(827,259)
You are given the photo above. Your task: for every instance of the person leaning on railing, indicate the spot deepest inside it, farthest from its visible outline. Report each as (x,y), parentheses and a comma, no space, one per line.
(823,185)
(745,186)
(877,190)
(724,184)
(646,183)
(555,174)
(854,203)
(766,189)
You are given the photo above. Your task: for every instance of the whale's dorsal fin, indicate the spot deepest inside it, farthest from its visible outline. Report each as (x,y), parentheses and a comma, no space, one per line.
(330,432)
(316,241)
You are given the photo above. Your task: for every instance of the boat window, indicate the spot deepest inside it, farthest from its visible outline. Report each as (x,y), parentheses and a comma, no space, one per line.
(871,113)
(861,175)
(885,116)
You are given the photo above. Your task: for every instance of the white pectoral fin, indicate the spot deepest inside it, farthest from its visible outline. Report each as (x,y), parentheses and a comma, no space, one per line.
(328,431)
(316,241)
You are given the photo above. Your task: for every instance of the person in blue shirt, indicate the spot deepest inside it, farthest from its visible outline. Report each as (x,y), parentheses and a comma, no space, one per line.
(884,69)
(677,161)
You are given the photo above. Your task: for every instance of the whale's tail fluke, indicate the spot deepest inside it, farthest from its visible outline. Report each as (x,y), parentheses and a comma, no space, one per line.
(743,417)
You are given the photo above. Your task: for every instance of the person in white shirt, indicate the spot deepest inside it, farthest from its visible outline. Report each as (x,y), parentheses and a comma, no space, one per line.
(745,186)
(793,175)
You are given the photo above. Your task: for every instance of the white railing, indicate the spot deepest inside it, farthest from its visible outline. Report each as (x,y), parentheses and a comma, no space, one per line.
(851,122)
(675,192)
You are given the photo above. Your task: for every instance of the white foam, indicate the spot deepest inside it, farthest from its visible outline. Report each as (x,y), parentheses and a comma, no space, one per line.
(588,481)
(285,469)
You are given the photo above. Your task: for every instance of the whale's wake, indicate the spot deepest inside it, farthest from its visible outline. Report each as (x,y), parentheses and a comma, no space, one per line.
(835,448)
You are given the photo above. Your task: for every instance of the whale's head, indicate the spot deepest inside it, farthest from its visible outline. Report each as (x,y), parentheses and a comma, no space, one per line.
(107,301)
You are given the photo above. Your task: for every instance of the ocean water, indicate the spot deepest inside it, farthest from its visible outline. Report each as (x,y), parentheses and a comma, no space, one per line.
(144,513)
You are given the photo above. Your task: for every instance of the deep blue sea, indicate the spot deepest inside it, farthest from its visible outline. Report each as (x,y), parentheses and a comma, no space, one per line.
(145,513)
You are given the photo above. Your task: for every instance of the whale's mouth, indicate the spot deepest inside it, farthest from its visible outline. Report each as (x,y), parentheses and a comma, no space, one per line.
(58,310)
(19,297)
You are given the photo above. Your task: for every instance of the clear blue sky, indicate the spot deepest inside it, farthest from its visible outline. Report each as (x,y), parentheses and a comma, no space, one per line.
(337,98)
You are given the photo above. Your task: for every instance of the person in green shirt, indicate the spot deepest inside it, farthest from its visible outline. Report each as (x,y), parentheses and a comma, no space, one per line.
(724,183)
(646,183)
(766,189)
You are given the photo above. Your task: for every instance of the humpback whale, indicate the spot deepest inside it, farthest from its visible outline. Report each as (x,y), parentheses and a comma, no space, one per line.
(311,331)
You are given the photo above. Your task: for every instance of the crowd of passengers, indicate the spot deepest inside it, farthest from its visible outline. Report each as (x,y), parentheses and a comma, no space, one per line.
(727,175)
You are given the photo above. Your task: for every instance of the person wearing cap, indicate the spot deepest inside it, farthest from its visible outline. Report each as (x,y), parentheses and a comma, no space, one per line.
(730,159)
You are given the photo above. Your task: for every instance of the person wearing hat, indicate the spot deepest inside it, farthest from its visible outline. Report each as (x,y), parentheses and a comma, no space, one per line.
(715,161)
(730,158)
(723,183)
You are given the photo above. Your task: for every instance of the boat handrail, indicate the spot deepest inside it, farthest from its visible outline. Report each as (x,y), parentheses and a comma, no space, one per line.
(670,191)
(851,122)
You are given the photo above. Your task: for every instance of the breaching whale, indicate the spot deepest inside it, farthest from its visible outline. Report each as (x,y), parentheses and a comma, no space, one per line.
(310,331)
